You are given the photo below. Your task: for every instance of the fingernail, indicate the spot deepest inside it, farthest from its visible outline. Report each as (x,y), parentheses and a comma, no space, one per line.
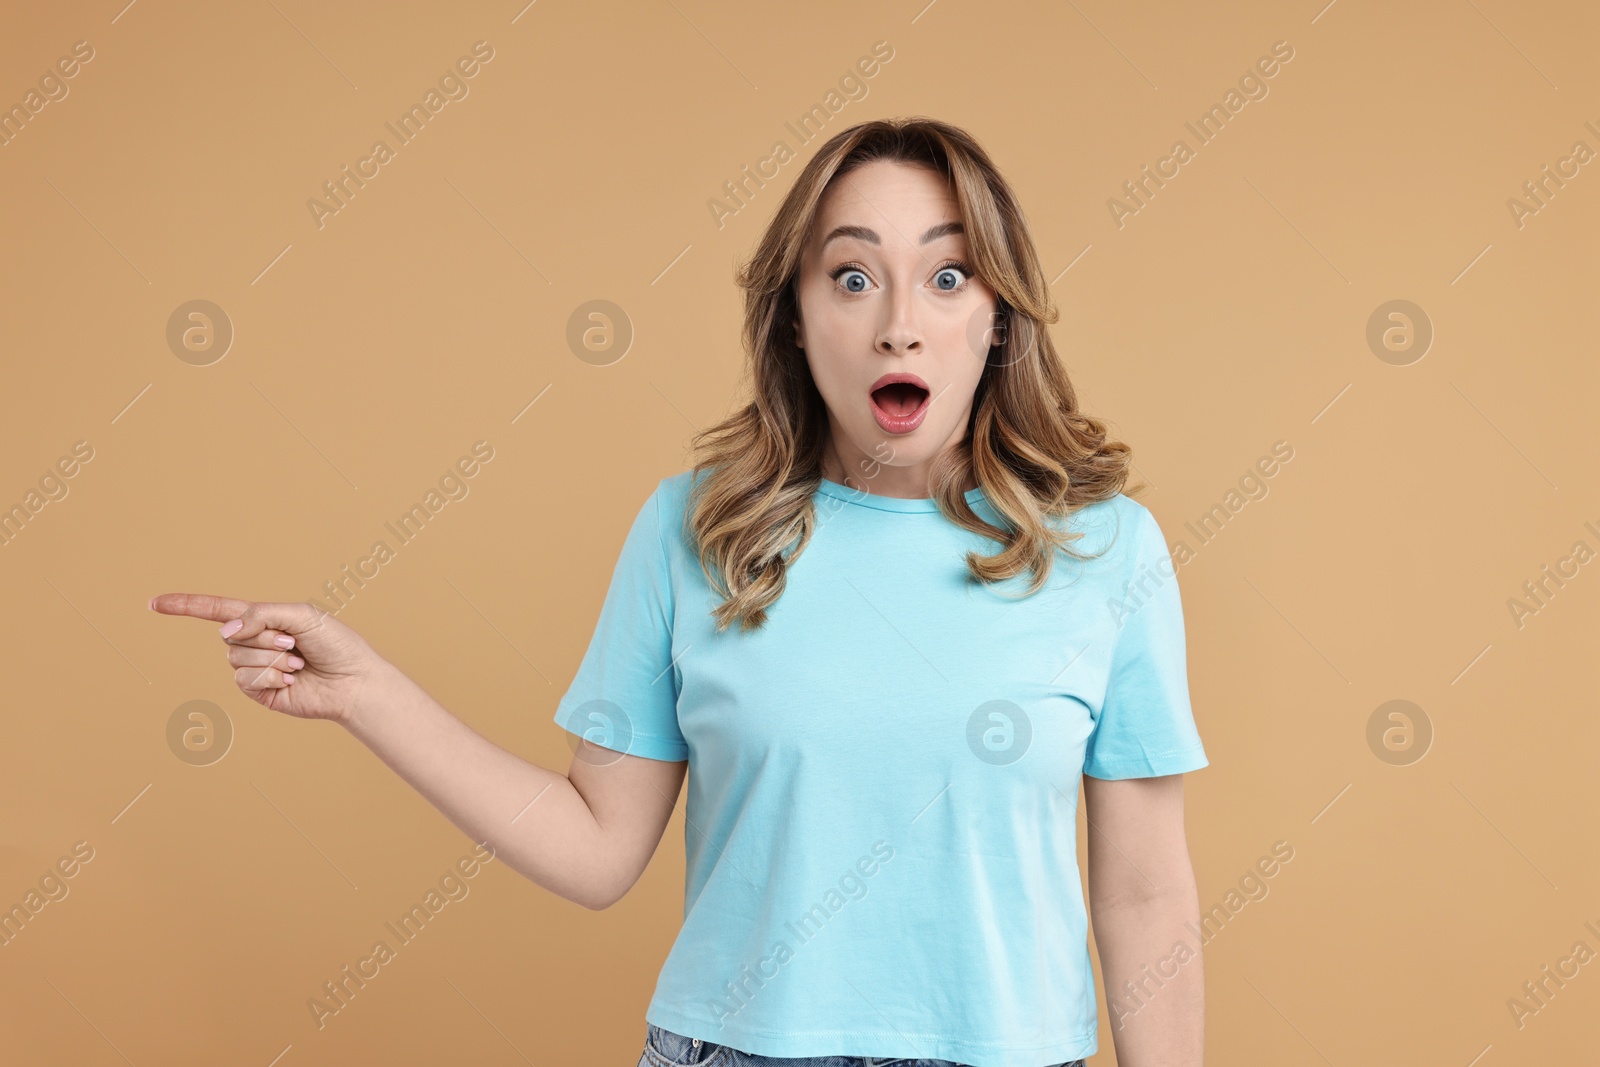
(295,662)
(152,603)
(288,679)
(283,641)
(229,629)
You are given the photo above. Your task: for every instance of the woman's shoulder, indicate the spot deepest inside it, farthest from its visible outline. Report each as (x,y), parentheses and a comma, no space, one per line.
(1109,525)
(672,493)
(671,499)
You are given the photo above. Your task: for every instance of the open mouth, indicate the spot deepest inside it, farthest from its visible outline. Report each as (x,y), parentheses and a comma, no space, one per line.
(900,398)
(899,402)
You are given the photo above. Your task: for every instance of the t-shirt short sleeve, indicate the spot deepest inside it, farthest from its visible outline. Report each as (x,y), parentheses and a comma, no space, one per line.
(1146,726)
(625,695)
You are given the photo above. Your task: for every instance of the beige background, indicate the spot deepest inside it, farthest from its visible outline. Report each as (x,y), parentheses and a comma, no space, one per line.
(369,354)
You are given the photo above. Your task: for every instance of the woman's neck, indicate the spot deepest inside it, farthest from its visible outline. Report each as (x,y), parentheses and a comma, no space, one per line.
(872,476)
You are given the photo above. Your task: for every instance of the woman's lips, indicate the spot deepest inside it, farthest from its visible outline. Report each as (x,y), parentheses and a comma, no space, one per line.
(899,402)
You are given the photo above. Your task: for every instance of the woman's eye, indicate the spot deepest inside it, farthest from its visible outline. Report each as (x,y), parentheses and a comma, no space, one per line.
(956,278)
(849,280)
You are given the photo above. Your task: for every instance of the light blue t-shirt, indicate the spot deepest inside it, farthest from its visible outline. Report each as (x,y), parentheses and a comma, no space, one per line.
(883,780)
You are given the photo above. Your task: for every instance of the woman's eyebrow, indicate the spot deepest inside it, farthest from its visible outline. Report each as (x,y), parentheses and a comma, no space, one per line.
(863,233)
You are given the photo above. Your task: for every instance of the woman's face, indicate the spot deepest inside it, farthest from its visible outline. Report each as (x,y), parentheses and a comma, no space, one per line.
(884,293)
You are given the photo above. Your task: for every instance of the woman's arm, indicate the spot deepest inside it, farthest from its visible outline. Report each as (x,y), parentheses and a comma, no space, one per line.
(1144,908)
(586,835)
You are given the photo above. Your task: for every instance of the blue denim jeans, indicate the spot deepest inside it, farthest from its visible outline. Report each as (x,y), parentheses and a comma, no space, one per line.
(663,1048)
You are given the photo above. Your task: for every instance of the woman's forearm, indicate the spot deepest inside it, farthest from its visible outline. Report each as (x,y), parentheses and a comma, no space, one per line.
(537,823)
(1154,975)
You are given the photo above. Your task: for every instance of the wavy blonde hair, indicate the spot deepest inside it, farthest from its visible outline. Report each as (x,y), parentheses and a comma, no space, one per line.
(1034,454)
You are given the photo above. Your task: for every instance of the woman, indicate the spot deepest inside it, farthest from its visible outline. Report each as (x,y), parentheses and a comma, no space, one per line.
(887,747)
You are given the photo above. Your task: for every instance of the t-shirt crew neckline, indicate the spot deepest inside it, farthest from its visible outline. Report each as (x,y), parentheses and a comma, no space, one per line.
(889,503)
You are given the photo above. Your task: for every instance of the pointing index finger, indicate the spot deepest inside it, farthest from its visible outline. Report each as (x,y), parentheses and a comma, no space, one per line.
(199,606)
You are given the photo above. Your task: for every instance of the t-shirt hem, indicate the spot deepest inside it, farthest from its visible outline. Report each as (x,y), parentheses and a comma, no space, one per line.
(880,1044)
(1154,765)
